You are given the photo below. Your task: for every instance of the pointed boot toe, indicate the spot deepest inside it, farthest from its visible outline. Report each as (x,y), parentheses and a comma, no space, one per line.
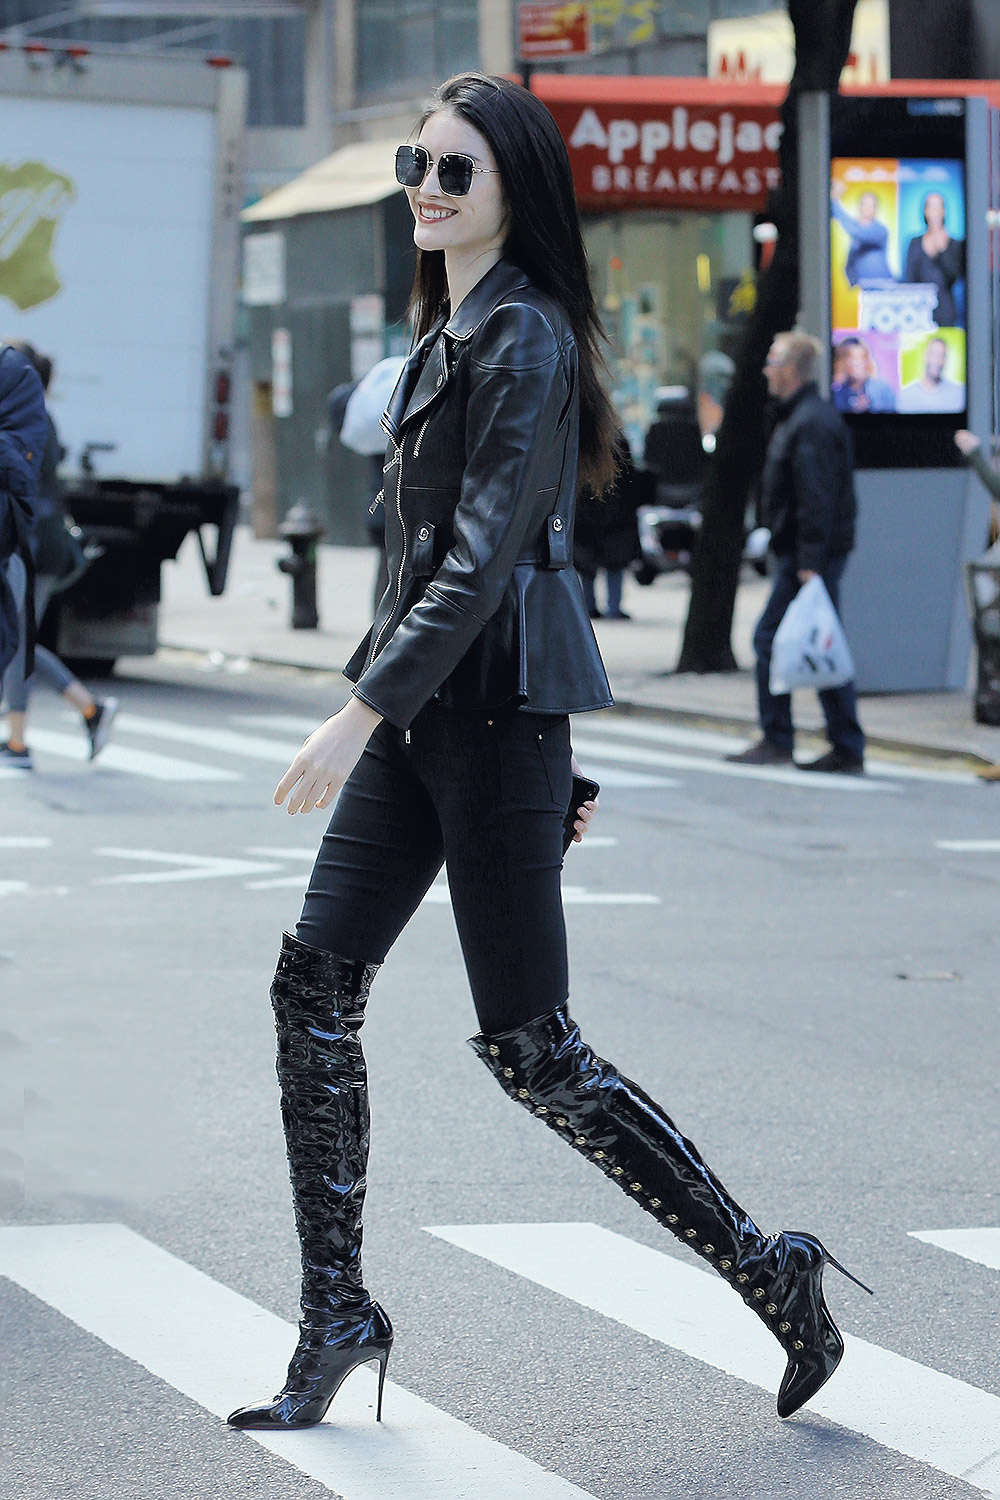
(807,1371)
(790,1301)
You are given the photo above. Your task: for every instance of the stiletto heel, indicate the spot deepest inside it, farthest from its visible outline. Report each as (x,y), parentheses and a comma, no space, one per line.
(383,1361)
(835,1263)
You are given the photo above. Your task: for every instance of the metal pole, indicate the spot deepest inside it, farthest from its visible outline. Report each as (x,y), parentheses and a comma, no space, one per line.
(814,224)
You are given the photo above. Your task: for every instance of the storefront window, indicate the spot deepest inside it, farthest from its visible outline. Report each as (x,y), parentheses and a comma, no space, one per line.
(674,292)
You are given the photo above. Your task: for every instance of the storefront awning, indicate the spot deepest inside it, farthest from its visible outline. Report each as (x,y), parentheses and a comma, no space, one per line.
(350,178)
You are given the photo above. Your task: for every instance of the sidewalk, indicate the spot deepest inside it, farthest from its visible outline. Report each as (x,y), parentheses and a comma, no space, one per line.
(251,621)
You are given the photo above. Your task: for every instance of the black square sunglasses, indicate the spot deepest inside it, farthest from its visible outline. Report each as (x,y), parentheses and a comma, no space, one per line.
(455,170)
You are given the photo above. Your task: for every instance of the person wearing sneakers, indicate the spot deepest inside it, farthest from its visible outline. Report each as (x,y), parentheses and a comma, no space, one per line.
(809,507)
(97,714)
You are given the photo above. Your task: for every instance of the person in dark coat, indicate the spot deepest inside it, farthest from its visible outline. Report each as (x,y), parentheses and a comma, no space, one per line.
(22,443)
(808,505)
(55,565)
(607,534)
(454,747)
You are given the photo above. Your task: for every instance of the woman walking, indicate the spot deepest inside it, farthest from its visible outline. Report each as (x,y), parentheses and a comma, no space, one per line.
(55,564)
(455,747)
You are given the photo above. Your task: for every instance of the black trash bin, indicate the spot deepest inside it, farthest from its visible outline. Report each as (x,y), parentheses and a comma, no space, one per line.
(982,581)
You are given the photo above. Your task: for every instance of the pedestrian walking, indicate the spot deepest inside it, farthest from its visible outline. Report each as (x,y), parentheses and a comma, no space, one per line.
(22,439)
(808,505)
(455,747)
(56,560)
(606,534)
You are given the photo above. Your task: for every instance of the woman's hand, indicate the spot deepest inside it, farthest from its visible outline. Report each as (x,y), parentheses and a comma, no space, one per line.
(327,758)
(585,811)
(966,441)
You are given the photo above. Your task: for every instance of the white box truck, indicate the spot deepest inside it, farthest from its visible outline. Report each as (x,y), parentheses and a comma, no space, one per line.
(120,193)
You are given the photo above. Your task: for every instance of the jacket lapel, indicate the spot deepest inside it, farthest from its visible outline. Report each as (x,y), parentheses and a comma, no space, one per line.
(410,377)
(430,383)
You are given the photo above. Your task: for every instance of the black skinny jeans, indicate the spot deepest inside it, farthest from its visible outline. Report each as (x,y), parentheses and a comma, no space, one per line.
(486,795)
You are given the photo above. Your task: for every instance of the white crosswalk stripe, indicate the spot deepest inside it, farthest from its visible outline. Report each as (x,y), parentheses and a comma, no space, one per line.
(180,867)
(905,1406)
(223,1351)
(123,758)
(979,1245)
(968,846)
(618,750)
(625,726)
(227,741)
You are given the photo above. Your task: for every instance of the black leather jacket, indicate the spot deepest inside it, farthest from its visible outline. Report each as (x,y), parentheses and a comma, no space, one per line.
(807,492)
(483,607)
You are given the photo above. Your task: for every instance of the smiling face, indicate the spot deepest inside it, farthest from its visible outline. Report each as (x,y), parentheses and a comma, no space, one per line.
(867,208)
(472,225)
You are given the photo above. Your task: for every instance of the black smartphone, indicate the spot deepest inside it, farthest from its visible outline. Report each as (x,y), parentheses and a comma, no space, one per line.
(584,790)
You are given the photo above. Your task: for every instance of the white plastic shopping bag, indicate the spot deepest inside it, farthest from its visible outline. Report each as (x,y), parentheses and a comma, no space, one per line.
(810,648)
(361,430)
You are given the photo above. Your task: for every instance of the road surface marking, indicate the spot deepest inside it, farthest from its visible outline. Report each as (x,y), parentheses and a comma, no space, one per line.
(190,867)
(917,1411)
(13,842)
(221,1350)
(250,746)
(701,739)
(596,841)
(615,776)
(661,734)
(284,723)
(300,851)
(13,887)
(133,762)
(679,762)
(969,846)
(979,1245)
(572,895)
(278,882)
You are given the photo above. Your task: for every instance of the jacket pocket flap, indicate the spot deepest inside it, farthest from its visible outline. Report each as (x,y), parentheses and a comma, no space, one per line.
(558,542)
(423,551)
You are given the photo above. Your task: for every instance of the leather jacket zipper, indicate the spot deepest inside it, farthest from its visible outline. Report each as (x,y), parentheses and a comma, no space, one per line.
(379,500)
(420,437)
(402,559)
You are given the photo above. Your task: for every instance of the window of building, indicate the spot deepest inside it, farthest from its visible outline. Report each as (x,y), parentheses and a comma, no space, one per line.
(405,46)
(272,51)
(674,292)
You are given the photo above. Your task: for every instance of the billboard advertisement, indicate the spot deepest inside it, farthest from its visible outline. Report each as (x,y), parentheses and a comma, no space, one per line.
(897,294)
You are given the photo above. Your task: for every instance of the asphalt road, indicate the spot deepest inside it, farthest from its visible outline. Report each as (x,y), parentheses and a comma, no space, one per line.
(800,969)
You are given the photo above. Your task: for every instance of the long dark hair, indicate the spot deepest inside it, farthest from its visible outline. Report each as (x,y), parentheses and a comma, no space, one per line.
(543,238)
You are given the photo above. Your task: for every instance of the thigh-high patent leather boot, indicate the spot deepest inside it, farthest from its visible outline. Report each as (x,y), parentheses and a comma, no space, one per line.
(550,1070)
(319,1000)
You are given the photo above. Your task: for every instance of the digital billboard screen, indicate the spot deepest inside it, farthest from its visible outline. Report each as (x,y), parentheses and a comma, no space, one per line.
(897,271)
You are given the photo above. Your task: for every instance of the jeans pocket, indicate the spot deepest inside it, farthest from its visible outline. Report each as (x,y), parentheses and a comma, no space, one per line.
(552,739)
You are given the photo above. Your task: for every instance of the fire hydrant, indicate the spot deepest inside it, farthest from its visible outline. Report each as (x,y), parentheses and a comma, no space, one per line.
(302,531)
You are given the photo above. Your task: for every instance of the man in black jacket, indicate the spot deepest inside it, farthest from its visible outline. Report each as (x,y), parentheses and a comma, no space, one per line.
(808,504)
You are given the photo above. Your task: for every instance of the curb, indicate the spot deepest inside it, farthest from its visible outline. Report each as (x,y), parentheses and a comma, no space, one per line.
(738,724)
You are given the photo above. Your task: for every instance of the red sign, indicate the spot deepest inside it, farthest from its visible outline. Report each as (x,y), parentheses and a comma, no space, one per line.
(553,30)
(697,155)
